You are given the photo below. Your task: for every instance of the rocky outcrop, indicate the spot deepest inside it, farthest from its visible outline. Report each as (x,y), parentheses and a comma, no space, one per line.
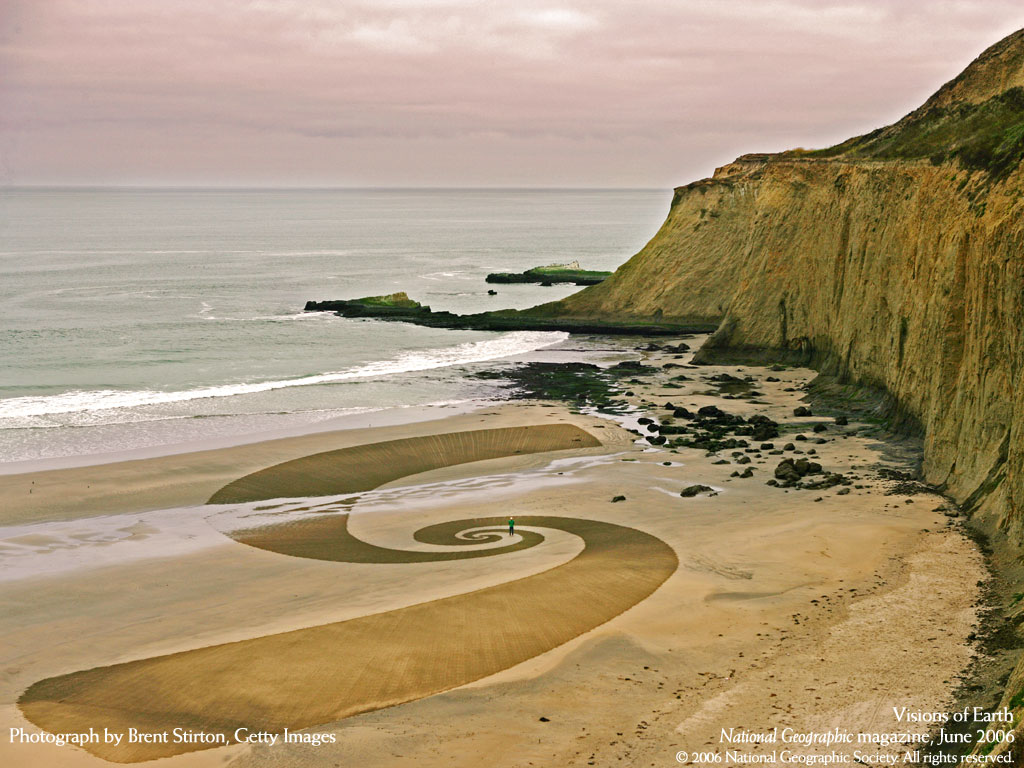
(893,261)
(399,308)
(558,273)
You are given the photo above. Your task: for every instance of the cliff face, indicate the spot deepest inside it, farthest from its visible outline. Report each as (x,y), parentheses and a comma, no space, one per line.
(894,260)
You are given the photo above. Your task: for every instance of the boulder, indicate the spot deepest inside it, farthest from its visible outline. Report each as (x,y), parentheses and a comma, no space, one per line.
(711,411)
(786,471)
(695,490)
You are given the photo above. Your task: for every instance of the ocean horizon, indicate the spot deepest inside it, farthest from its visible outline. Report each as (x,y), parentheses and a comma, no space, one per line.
(142,318)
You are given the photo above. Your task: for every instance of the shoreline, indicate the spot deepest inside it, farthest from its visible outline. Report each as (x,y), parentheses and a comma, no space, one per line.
(190,478)
(766,577)
(569,350)
(397,415)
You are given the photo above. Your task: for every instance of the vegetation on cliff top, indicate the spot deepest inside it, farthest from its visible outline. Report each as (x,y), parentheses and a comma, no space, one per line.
(986,136)
(398,300)
(976,119)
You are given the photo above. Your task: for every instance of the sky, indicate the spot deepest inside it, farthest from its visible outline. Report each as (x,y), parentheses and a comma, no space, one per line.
(441,93)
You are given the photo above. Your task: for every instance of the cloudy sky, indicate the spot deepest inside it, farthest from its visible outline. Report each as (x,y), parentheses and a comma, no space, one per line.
(634,93)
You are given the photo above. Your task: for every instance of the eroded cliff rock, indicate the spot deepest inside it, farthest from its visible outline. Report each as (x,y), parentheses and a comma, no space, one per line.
(894,260)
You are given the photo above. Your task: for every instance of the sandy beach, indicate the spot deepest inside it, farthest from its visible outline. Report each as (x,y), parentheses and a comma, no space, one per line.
(604,633)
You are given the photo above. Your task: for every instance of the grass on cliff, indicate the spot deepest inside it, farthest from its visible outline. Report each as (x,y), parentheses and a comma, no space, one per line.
(1017,701)
(983,137)
(399,300)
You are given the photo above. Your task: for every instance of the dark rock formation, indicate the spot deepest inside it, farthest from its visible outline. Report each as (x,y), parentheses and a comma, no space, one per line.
(549,276)
(372,307)
(695,490)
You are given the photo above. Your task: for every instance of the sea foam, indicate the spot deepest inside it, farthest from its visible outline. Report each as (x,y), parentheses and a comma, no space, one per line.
(506,345)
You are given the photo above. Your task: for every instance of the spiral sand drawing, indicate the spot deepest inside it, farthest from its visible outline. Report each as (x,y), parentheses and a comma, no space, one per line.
(321,674)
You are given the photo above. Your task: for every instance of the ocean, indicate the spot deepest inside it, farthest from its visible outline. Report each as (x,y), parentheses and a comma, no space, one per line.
(146,321)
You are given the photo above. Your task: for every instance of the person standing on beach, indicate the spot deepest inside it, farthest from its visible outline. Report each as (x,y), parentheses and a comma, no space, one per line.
(511,526)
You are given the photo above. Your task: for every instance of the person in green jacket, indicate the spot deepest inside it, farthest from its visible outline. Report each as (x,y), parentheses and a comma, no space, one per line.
(511,526)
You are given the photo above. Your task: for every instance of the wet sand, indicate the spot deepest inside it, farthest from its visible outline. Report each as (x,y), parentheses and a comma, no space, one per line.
(364,467)
(192,478)
(318,675)
(785,609)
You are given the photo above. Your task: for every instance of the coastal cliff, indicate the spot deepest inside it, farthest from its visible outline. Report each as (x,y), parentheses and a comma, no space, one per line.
(893,261)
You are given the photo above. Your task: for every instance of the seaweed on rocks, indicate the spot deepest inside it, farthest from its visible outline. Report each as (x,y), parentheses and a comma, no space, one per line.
(579,384)
(671,348)
(633,367)
(574,383)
